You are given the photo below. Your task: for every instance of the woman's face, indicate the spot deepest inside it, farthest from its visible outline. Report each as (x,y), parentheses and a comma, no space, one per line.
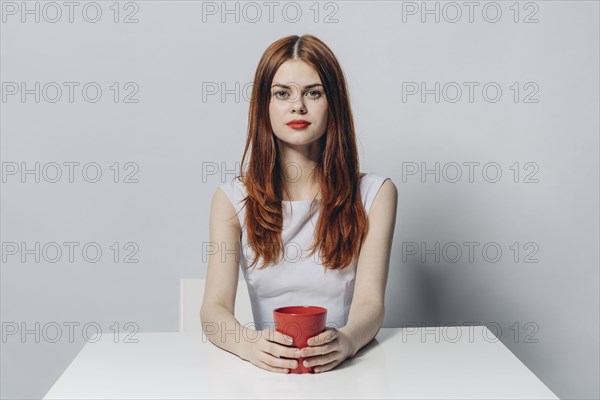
(293,97)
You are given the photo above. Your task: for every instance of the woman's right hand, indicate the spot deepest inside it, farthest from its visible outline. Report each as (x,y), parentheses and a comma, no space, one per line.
(266,349)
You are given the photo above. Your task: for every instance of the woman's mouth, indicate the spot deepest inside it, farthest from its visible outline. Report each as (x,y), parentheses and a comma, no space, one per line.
(298,124)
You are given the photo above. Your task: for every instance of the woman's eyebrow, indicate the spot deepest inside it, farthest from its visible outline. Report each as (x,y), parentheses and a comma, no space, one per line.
(305,87)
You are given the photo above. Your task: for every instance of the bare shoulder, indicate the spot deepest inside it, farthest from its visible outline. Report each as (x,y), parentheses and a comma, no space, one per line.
(386,198)
(388,189)
(222,210)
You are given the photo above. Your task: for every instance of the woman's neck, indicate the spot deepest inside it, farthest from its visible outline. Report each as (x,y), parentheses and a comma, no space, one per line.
(298,165)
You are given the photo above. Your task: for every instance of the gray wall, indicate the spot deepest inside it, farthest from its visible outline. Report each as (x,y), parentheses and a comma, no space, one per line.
(160,123)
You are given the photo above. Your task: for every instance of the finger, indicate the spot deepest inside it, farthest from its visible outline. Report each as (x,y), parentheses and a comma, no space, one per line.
(267,367)
(321,360)
(326,367)
(278,337)
(279,362)
(312,351)
(323,337)
(284,351)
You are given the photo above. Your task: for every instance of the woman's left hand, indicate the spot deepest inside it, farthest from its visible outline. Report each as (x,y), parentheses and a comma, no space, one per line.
(327,350)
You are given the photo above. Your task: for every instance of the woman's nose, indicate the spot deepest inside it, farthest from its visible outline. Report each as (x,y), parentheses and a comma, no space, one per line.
(298,105)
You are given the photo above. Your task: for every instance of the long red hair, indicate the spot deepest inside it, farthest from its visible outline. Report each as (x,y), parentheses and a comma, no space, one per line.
(342,223)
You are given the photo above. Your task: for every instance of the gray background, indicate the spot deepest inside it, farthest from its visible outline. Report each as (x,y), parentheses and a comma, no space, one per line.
(172,135)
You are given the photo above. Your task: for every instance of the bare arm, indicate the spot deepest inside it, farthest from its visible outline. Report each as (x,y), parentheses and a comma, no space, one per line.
(217,311)
(267,349)
(367,309)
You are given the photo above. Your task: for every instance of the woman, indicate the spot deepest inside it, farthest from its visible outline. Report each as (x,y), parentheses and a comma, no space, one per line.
(299,209)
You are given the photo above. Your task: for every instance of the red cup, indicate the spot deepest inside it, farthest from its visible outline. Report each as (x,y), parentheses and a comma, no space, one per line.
(300,323)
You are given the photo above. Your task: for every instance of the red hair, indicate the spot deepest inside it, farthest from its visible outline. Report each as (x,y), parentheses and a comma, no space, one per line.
(342,224)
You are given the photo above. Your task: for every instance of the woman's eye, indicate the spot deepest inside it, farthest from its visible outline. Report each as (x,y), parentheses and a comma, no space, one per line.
(315,94)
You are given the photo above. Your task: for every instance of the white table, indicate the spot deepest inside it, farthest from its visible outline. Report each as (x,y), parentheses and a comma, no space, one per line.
(398,363)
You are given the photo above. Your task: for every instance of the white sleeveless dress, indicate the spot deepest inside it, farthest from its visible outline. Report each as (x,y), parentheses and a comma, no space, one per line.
(298,279)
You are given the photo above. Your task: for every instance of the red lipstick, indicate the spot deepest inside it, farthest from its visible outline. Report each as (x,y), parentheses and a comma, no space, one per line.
(298,124)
